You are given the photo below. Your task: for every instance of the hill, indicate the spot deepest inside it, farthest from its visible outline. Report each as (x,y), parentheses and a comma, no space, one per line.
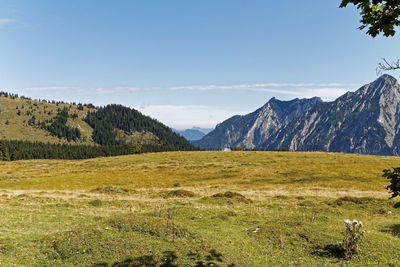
(197,209)
(365,122)
(24,119)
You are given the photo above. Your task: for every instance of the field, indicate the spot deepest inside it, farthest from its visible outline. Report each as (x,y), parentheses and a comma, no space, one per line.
(197,209)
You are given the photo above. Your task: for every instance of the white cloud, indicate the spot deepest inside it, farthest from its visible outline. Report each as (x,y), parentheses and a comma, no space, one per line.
(6,21)
(49,88)
(189,115)
(183,117)
(258,85)
(123,89)
(327,91)
(326,94)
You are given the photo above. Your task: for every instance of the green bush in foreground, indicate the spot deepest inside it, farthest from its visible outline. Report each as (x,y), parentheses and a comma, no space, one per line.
(394,177)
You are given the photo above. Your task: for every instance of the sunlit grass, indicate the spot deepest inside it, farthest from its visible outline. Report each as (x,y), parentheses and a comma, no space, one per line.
(15,127)
(136,208)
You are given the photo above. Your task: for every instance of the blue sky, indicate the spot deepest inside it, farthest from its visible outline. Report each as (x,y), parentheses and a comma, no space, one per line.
(185,62)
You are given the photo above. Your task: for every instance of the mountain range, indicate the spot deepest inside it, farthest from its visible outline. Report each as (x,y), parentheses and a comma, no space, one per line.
(365,121)
(193,134)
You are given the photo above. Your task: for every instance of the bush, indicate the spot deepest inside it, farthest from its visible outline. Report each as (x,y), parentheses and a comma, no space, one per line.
(394,177)
(353,238)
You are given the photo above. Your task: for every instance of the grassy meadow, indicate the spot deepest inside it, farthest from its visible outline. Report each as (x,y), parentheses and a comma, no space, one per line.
(16,112)
(197,209)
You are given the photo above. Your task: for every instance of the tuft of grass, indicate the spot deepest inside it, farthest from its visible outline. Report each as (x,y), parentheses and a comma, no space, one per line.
(96,203)
(180,193)
(354,200)
(237,197)
(112,190)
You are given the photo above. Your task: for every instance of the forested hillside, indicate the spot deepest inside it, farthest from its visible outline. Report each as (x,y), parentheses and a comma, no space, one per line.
(106,122)
(36,129)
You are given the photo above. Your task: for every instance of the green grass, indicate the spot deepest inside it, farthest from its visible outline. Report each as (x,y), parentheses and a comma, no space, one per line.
(17,127)
(189,208)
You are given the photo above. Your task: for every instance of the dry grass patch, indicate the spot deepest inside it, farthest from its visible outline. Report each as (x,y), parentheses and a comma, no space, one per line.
(179,193)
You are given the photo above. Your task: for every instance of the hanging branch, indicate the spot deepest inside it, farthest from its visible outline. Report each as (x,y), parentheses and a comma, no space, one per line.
(386,66)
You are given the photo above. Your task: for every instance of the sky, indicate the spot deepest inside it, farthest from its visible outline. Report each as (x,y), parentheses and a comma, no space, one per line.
(186,62)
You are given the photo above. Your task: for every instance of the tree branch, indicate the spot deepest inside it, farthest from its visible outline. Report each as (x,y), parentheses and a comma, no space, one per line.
(386,66)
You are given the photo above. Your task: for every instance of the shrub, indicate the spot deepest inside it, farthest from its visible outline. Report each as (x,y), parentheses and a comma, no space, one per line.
(394,177)
(353,238)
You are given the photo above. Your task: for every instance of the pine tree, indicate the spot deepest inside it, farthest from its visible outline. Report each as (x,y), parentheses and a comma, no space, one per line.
(4,156)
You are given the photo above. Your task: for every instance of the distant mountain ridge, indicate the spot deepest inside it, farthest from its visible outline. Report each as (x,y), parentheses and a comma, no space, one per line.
(251,130)
(193,134)
(366,122)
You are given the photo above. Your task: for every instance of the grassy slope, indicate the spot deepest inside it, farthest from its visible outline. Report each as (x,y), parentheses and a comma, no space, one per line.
(57,212)
(18,128)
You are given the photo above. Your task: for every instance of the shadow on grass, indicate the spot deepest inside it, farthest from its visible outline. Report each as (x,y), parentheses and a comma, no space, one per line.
(393,229)
(329,251)
(168,260)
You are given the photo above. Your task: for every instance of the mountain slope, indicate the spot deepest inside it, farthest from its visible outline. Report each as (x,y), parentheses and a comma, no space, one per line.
(25,119)
(366,122)
(110,122)
(21,119)
(252,130)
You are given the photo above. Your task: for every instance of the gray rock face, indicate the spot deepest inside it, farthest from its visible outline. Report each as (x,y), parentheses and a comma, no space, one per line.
(252,130)
(366,122)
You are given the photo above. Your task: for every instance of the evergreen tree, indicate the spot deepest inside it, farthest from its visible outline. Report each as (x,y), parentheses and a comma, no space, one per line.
(4,156)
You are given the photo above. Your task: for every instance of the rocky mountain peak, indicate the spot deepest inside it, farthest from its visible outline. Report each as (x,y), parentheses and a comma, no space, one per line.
(382,86)
(251,130)
(366,121)
(387,78)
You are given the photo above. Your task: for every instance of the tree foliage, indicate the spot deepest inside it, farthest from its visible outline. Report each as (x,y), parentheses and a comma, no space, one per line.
(106,120)
(37,150)
(4,156)
(19,150)
(380,16)
(394,177)
(60,129)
